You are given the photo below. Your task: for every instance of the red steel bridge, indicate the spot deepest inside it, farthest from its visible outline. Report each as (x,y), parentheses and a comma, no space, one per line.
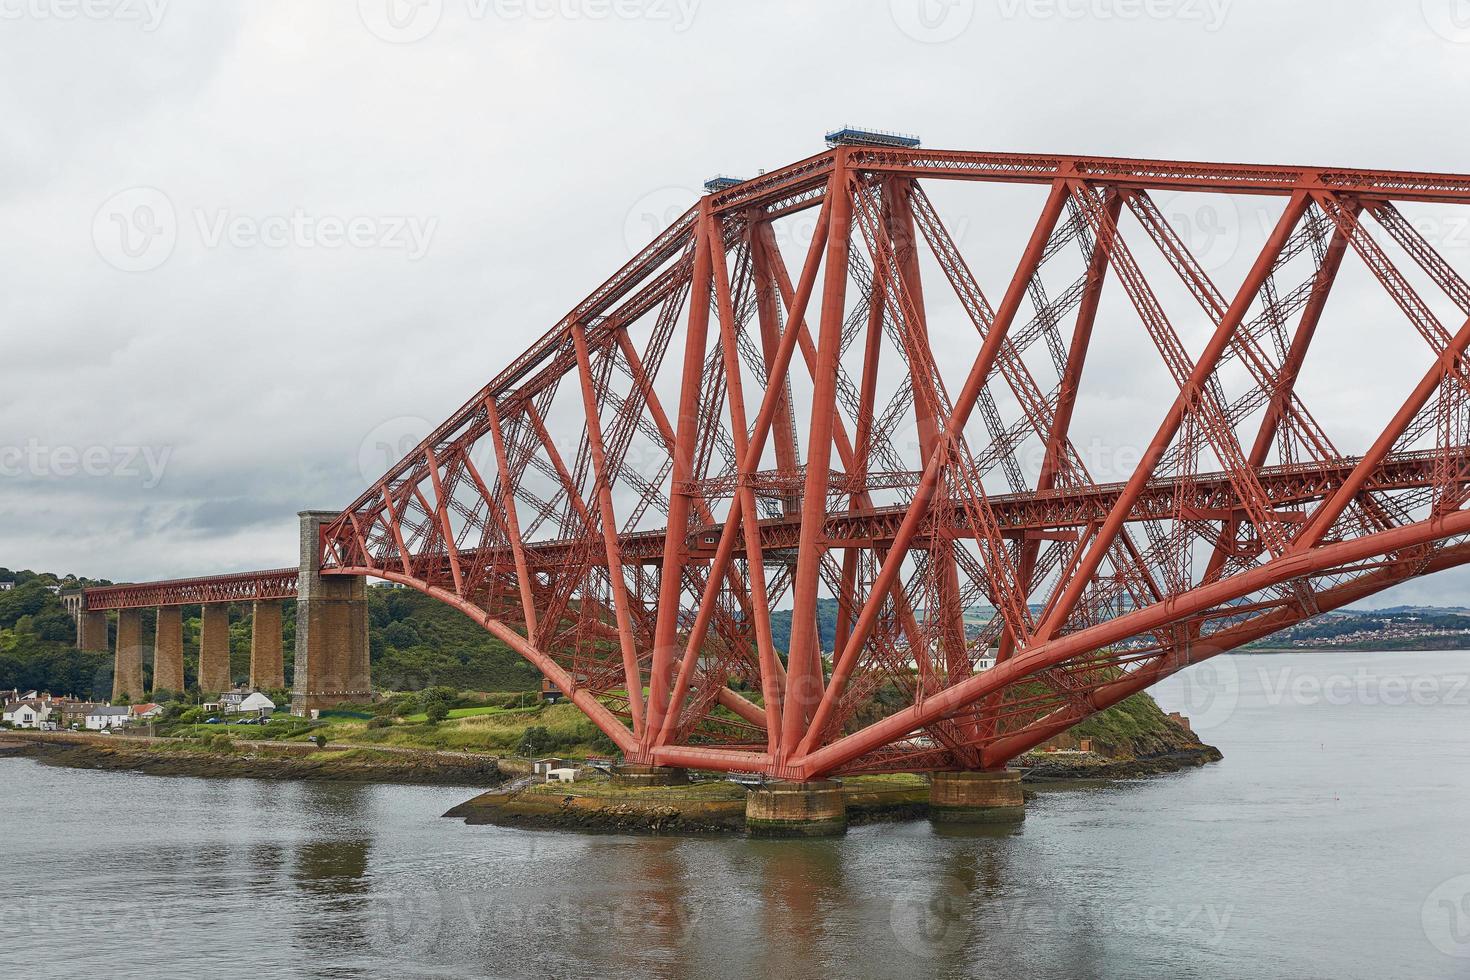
(813,388)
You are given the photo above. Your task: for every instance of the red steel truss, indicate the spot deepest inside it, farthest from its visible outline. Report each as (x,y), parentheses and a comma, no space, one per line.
(277,583)
(723,430)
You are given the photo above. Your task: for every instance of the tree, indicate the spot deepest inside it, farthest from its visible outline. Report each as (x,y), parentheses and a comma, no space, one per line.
(437,711)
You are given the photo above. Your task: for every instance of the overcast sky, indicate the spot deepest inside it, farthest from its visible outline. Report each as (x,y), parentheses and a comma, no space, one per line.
(366,210)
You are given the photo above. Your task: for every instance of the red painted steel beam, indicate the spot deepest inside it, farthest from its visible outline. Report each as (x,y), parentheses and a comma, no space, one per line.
(276,583)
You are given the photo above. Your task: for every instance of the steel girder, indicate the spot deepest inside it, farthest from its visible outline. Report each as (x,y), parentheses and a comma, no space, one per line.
(719,432)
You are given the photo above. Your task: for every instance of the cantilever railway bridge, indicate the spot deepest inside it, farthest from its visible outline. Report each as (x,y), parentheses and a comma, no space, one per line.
(748,417)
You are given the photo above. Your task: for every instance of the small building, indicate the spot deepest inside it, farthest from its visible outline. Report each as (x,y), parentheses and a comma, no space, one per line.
(106,716)
(256,704)
(543,766)
(27,714)
(230,701)
(563,775)
(75,712)
(6,586)
(145,712)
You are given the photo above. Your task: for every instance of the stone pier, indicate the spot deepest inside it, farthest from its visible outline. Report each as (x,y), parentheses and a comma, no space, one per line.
(331,629)
(814,809)
(267,671)
(630,774)
(214,649)
(168,650)
(92,630)
(127,670)
(976,797)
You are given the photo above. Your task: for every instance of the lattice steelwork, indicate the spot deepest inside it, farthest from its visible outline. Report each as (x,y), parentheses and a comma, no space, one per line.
(729,427)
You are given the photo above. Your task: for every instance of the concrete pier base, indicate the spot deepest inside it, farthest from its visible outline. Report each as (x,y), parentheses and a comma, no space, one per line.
(214,649)
(630,774)
(127,670)
(331,629)
(92,631)
(266,670)
(168,650)
(814,809)
(976,797)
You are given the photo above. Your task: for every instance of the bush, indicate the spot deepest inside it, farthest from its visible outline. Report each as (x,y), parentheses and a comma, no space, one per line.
(380,723)
(437,711)
(536,741)
(320,740)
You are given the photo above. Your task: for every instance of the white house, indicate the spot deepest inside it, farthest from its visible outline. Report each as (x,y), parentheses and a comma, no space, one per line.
(27,714)
(143,712)
(561,775)
(256,703)
(106,716)
(6,586)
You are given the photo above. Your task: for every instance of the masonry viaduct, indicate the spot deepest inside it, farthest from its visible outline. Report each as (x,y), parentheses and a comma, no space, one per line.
(331,663)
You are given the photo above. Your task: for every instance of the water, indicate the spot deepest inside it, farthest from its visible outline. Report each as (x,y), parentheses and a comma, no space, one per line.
(1328,844)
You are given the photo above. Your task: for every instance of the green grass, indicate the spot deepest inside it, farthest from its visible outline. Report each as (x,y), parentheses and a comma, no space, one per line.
(1134,716)
(422,717)
(604,789)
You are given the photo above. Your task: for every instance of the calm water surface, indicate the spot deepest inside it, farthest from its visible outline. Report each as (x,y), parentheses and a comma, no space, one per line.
(1330,843)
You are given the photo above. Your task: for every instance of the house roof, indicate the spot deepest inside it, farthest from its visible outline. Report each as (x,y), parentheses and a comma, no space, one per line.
(108,710)
(256,702)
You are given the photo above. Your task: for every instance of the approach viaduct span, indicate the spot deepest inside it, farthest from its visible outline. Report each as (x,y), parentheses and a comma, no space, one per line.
(722,429)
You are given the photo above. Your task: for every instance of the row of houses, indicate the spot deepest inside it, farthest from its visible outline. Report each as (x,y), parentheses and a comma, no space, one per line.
(45,712)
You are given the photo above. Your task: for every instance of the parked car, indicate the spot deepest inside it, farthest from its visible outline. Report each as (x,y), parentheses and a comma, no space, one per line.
(211,721)
(105,731)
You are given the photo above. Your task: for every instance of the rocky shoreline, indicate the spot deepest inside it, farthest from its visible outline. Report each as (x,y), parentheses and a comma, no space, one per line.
(710,807)
(285,761)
